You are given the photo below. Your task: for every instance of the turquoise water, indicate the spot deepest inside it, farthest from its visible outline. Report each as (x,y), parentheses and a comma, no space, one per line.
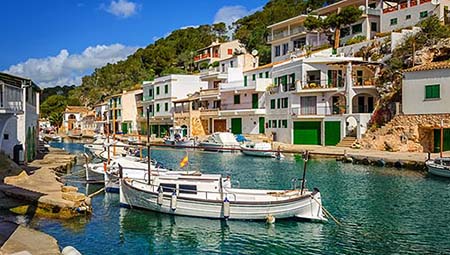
(383,211)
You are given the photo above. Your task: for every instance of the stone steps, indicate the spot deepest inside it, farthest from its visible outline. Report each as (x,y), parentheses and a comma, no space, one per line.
(346,142)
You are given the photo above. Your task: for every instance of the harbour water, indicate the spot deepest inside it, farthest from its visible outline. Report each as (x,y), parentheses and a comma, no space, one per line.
(382,210)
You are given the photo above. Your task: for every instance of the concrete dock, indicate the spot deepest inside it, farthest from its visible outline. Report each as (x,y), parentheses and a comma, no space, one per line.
(407,160)
(40,192)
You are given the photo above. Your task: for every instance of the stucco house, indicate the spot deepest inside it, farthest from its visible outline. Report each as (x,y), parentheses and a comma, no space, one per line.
(19,117)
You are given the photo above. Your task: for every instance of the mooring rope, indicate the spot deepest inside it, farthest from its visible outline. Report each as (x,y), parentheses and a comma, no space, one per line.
(327,212)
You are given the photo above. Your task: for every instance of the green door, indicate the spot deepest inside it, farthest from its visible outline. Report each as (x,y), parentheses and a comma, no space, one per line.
(255,101)
(125,128)
(332,132)
(307,132)
(262,127)
(236,126)
(437,140)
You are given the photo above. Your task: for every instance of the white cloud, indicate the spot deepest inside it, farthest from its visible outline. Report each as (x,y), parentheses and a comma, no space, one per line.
(229,14)
(66,68)
(122,8)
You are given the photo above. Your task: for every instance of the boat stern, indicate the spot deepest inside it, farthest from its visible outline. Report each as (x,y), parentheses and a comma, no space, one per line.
(313,210)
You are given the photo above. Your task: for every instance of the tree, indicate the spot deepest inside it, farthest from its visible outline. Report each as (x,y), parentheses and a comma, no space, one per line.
(342,18)
(54,103)
(56,119)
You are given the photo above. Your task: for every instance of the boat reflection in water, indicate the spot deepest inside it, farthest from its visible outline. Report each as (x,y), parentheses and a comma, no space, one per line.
(190,235)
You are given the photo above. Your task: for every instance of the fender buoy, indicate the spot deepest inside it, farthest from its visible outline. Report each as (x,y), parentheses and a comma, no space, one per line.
(160,195)
(226,208)
(173,201)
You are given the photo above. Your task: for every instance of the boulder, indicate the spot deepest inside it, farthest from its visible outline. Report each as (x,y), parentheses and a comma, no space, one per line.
(73,196)
(69,189)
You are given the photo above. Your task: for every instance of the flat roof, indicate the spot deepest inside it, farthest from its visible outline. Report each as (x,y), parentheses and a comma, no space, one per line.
(296,18)
(16,80)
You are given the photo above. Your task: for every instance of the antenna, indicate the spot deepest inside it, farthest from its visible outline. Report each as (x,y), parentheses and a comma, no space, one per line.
(435,2)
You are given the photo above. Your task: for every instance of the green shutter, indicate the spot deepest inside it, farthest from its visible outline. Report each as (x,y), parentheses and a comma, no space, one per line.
(245,81)
(432,91)
(236,126)
(278,103)
(237,99)
(332,132)
(267,74)
(254,77)
(255,101)
(272,104)
(262,127)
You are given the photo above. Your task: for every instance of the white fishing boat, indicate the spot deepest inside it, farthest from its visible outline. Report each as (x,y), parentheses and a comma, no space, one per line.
(177,138)
(220,141)
(439,166)
(97,145)
(211,196)
(259,150)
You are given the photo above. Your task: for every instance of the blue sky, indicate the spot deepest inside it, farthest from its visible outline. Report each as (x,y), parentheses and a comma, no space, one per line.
(55,42)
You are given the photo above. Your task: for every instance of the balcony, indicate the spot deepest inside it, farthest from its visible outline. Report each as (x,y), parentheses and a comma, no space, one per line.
(285,33)
(147,98)
(209,93)
(10,99)
(205,56)
(367,82)
(404,5)
(314,85)
(236,85)
(318,111)
(209,112)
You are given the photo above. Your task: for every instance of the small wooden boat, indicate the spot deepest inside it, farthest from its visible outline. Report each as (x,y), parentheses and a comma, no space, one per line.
(259,150)
(76,137)
(177,138)
(439,166)
(220,141)
(211,196)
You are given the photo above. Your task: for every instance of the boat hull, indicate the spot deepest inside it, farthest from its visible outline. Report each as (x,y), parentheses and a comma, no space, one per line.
(94,173)
(257,153)
(179,143)
(437,170)
(305,207)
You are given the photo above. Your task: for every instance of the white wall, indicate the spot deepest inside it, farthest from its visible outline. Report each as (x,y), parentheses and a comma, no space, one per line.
(413,92)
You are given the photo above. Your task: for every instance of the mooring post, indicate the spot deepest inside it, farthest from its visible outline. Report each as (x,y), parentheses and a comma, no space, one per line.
(305,160)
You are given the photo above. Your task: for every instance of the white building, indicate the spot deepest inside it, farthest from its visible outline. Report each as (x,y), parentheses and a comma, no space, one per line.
(72,119)
(320,99)
(426,89)
(130,101)
(158,96)
(19,116)
(215,52)
(101,117)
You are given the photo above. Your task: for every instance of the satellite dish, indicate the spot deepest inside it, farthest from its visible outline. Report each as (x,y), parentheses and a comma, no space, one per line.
(332,29)
(435,2)
(362,8)
(254,52)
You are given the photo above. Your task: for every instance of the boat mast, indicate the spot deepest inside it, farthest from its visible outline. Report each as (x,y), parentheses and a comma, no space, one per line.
(442,138)
(148,146)
(305,160)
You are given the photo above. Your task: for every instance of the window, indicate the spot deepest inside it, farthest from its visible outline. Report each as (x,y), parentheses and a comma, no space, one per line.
(374,27)
(151,108)
(245,81)
(285,48)
(223,68)
(267,74)
(237,99)
(231,63)
(168,187)
(230,51)
(166,89)
(260,75)
(166,107)
(269,124)
(284,102)
(408,16)
(432,91)
(284,124)
(277,51)
(356,29)
(157,90)
(274,123)
(272,104)
(279,103)
(5,136)
(253,77)
(279,123)
(157,107)
(150,92)
(423,14)
(308,105)
(299,43)
(188,189)
(394,22)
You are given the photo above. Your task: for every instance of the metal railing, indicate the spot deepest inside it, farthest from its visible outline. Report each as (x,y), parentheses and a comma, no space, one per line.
(323,110)
(11,98)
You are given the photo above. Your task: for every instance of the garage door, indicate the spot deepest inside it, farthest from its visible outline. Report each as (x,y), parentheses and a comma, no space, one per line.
(332,132)
(236,126)
(220,125)
(307,132)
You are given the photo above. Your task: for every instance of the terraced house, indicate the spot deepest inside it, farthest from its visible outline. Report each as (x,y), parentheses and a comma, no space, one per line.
(320,99)
(159,95)
(19,115)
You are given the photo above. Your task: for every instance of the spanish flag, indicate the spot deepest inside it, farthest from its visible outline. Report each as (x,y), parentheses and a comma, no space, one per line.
(184,162)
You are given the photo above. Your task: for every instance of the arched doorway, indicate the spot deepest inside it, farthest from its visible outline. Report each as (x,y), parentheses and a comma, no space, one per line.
(351,126)
(338,104)
(71,121)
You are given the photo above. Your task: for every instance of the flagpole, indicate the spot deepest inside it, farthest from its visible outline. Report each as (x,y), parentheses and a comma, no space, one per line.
(148,146)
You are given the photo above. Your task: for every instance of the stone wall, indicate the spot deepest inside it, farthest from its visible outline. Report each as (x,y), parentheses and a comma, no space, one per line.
(406,133)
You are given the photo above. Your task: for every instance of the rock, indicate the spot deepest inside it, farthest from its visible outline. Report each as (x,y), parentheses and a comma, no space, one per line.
(69,189)
(73,196)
